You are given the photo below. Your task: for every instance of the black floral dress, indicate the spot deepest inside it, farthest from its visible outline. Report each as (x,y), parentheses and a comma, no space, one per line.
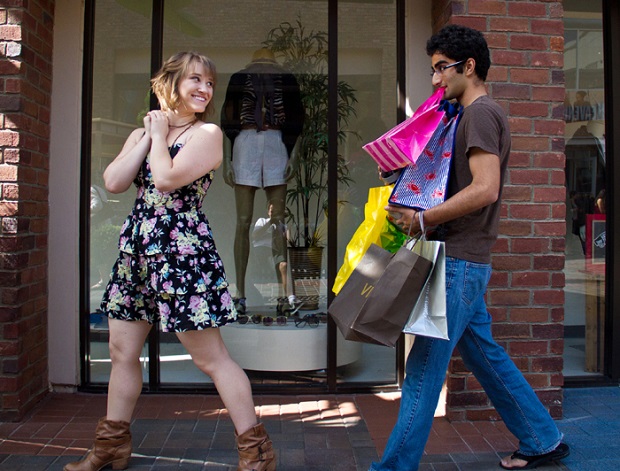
(168,269)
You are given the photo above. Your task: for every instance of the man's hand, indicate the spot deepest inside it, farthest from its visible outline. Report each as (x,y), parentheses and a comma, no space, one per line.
(404,218)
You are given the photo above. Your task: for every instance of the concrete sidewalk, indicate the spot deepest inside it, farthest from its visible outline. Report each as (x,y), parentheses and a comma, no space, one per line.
(310,433)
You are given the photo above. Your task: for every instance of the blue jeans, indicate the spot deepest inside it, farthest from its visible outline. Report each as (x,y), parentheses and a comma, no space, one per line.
(469,328)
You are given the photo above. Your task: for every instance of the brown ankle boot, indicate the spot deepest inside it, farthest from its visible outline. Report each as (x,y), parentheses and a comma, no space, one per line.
(255,450)
(112,447)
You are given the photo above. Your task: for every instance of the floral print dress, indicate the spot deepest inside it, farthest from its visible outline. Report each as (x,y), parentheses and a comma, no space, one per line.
(168,269)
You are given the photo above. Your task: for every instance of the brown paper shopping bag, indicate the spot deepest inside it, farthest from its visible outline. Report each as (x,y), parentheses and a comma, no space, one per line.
(375,302)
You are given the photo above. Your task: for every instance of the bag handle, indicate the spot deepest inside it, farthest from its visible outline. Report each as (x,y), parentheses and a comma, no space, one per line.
(422,228)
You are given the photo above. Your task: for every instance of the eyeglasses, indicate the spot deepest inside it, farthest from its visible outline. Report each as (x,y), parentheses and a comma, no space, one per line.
(439,69)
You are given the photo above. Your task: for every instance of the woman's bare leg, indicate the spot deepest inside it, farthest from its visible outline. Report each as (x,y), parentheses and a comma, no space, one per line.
(126,341)
(209,353)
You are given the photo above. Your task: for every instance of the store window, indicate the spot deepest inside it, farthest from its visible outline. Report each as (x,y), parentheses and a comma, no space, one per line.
(271,231)
(584,114)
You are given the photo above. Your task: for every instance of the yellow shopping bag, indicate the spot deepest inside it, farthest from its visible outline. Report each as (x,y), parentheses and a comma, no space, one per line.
(375,229)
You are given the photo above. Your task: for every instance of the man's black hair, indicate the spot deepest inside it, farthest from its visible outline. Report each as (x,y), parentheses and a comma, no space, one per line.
(460,43)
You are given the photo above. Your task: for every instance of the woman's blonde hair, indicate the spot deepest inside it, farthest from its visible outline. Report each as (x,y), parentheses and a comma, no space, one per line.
(165,82)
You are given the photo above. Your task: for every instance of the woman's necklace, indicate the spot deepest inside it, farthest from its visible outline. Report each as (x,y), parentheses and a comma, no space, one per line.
(181,125)
(182,132)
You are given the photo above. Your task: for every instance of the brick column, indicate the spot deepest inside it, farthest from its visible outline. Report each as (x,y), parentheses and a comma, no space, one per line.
(26,36)
(525,295)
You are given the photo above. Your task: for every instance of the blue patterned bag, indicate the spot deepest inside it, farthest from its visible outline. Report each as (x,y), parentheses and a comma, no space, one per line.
(423,185)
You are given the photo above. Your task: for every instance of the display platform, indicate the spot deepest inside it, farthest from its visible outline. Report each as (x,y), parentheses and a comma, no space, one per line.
(285,348)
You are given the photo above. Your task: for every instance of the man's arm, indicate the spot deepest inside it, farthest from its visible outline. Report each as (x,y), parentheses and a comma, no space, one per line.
(482,191)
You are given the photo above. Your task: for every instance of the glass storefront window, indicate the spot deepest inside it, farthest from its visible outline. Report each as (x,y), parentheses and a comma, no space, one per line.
(584,114)
(259,223)
(121,73)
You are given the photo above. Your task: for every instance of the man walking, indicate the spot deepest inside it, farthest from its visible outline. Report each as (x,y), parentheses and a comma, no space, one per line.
(468,223)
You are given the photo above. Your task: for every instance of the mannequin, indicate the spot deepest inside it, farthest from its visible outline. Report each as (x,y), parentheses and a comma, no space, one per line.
(262,116)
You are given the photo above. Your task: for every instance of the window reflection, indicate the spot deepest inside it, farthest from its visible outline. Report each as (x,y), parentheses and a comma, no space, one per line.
(584,114)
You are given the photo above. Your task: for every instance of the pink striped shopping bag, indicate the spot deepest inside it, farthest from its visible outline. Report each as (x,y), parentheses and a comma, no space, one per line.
(401,145)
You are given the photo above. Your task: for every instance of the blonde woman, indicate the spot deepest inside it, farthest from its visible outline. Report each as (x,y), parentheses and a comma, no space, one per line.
(169,270)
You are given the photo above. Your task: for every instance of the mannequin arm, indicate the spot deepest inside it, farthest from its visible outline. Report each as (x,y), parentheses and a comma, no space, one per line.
(229,173)
(292,166)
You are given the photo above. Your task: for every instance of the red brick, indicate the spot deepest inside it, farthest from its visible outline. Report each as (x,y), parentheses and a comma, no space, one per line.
(549,94)
(549,127)
(519,25)
(519,159)
(515,228)
(549,262)
(529,315)
(529,211)
(509,58)
(516,193)
(558,280)
(558,211)
(528,42)
(529,176)
(528,348)
(528,9)
(10,32)
(511,331)
(528,109)
(550,228)
(497,41)
(549,297)
(547,59)
(548,331)
(467,399)
(530,143)
(530,245)
(510,297)
(550,160)
(512,262)
(511,91)
(520,125)
(521,279)
(556,43)
(546,26)
(486,7)
(549,195)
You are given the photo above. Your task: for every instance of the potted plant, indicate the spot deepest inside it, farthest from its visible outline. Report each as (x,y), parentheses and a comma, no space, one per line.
(304,53)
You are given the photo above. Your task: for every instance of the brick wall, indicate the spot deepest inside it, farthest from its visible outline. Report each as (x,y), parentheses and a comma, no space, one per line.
(26,32)
(525,295)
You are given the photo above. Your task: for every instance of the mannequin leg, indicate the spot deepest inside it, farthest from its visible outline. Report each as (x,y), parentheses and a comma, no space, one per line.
(276,196)
(244,202)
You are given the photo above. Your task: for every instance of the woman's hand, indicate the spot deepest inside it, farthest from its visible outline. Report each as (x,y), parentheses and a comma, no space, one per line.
(158,124)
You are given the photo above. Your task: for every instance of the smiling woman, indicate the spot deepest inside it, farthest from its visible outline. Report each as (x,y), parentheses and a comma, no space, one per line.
(169,272)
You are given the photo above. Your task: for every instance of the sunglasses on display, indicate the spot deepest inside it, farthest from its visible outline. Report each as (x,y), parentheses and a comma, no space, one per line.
(259,319)
(311,320)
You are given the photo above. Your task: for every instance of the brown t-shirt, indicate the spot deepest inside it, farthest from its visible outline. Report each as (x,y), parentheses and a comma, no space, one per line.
(483,125)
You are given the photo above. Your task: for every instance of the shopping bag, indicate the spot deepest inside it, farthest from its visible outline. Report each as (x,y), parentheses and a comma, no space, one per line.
(428,317)
(401,145)
(375,229)
(423,184)
(375,302)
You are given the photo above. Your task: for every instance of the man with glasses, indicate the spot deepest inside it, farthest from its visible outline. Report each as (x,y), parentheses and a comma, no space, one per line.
(468,223)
